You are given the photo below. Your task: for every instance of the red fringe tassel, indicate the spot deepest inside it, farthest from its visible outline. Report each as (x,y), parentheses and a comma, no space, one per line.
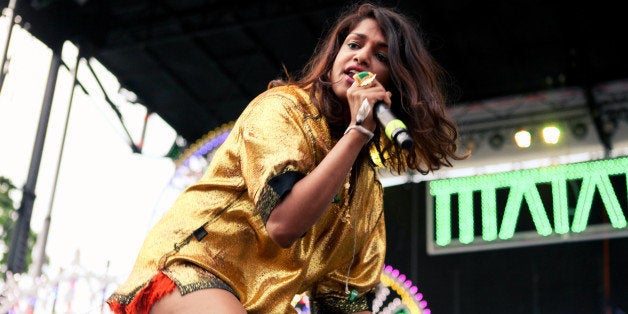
(158,287)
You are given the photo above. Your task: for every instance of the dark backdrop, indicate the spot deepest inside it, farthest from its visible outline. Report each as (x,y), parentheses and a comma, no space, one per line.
(556,278)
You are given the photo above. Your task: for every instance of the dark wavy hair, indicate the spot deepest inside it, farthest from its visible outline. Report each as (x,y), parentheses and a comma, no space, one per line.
(417,87)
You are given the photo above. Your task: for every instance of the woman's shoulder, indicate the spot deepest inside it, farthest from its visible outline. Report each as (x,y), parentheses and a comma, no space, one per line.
(292,93)
(287,98)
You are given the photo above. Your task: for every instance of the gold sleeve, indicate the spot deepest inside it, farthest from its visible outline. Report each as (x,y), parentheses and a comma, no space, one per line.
(276,147)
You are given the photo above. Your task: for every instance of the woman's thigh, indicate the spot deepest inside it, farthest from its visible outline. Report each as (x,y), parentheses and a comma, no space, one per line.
(204,301)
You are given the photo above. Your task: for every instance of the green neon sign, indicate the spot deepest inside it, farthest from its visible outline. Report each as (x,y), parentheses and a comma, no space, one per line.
(499,223)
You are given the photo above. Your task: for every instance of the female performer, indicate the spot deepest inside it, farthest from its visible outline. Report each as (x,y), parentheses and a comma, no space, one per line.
(291,202)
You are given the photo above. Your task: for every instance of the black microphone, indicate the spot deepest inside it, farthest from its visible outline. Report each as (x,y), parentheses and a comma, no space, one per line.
(394,128)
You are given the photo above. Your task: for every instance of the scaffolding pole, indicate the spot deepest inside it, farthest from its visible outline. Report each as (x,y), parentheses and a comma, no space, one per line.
(16,260)
(41,254)
(9,12)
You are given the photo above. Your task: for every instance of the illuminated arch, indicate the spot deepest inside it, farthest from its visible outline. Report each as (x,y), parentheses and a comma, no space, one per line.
(410,298)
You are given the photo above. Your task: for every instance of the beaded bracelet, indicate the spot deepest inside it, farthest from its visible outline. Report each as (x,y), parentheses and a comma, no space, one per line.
(362,130)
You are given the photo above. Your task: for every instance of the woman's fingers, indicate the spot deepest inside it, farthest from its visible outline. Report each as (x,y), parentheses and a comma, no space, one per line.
(370,94)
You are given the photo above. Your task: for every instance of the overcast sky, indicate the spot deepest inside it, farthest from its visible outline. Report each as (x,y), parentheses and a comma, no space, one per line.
(105,194)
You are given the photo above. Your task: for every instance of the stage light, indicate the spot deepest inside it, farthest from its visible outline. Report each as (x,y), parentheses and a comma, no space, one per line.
(523,139)
(551,134)
(469,143)
(579,130)
(496,141)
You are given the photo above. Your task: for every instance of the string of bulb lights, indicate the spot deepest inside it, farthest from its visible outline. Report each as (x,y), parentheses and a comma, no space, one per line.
(545,119)
(547,134)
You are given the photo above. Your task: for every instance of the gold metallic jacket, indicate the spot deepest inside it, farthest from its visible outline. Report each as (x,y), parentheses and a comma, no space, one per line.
(218,223)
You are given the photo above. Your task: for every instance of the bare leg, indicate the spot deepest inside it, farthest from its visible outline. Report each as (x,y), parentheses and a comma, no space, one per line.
(205,301)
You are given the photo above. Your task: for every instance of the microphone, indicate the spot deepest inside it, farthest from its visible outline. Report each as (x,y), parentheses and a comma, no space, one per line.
(394,128)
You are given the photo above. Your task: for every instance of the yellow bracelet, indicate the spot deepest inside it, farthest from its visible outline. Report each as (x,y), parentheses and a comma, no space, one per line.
(362,130)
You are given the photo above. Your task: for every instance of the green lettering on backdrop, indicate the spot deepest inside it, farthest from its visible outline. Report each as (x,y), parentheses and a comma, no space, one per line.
(522,187)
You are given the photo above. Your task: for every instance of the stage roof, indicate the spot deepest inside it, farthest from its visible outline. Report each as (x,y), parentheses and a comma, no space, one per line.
(198,63)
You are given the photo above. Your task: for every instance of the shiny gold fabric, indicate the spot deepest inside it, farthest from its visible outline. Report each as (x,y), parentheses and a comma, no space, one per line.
(217,222)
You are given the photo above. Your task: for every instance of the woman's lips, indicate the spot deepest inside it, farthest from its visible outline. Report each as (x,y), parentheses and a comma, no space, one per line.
(349,78)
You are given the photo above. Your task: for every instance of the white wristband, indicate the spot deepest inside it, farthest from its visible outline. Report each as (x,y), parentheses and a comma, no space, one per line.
(362,130)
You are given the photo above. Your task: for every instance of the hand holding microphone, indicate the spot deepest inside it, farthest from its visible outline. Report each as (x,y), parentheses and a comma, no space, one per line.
(394,128)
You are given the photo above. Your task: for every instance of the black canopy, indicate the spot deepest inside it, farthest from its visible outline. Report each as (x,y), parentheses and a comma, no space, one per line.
(198,63)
